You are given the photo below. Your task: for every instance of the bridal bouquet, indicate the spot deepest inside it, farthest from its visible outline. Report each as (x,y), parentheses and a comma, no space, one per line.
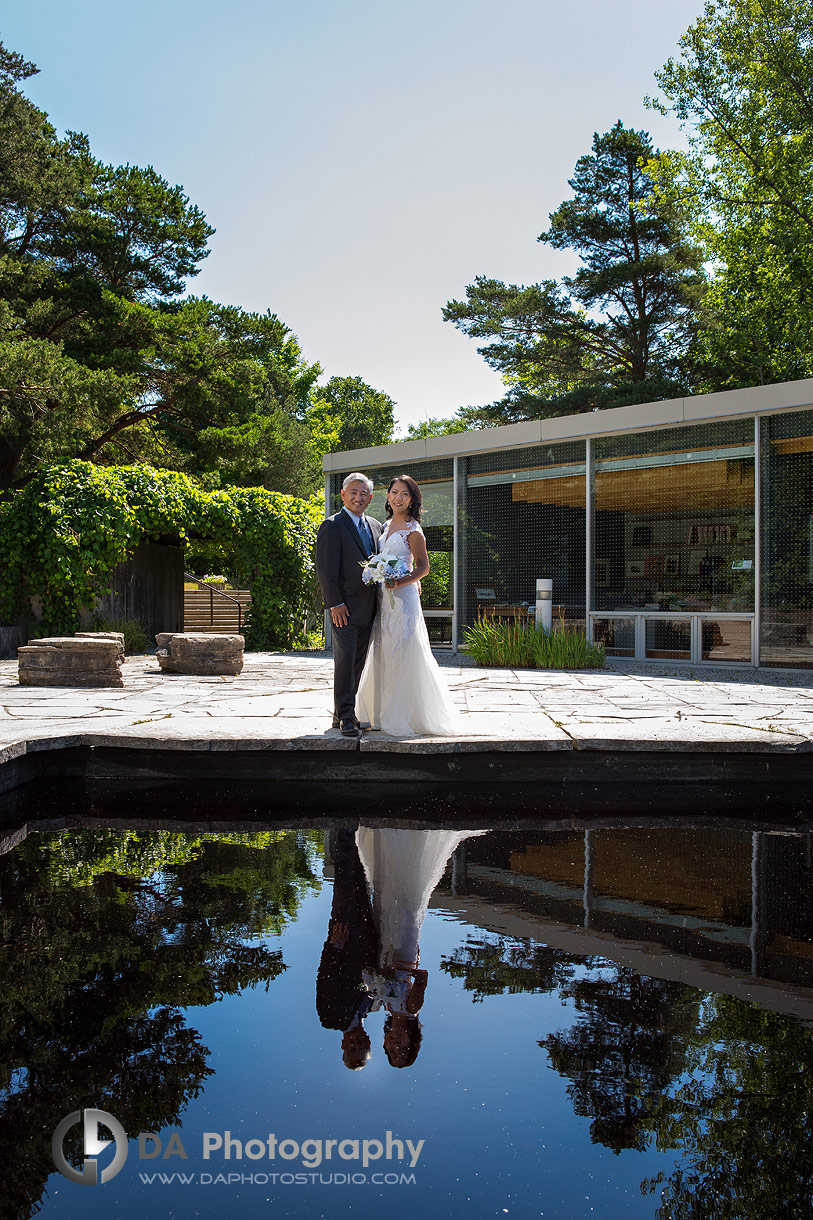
(378,569)
(381,986)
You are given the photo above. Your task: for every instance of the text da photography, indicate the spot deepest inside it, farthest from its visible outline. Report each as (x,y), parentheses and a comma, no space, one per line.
(311,1153)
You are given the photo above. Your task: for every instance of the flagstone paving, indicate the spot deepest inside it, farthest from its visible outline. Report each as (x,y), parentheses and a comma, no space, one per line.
(282,701)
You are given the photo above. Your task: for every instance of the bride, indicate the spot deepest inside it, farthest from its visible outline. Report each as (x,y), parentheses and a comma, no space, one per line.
(401,689)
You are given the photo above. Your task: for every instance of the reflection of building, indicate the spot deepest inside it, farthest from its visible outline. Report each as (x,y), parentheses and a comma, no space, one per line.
(657,524)
(723,909)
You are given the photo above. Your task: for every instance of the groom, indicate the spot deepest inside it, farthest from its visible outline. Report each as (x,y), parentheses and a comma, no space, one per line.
(344,541)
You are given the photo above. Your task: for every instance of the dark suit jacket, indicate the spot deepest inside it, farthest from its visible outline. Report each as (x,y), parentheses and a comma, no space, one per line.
(338,995)
(339,554)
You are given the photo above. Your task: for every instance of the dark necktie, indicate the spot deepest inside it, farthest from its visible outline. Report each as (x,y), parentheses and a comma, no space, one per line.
(366,535)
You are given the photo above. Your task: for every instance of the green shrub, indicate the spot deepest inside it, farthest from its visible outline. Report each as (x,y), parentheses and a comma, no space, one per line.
(435,587)
(520,645)
(61,536)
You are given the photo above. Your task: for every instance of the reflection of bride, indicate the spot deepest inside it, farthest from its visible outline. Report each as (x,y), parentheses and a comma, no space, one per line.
(402,868)
(402,691)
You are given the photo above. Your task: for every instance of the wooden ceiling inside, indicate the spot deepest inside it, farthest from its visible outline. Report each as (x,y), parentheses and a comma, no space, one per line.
(694,487)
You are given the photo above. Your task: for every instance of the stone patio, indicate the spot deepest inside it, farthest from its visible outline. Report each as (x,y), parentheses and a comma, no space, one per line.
(282,701)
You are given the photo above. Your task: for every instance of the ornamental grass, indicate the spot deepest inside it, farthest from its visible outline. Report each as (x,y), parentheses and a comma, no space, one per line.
(136,638)
(521,645)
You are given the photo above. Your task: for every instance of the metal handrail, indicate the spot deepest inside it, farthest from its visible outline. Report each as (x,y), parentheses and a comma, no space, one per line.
(212,590)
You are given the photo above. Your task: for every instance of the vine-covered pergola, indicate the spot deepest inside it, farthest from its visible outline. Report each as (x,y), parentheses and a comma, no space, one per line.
(62,534)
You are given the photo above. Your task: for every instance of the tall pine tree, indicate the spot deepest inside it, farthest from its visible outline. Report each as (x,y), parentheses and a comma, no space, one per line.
(619,330)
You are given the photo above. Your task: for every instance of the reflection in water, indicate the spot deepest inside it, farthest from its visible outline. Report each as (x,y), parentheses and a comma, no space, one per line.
(382,881)
(105,938)
(623,1051)
(639,999)
(653,1062)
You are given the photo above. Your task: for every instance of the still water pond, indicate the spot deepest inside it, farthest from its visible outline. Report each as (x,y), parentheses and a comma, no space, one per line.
(390,1020)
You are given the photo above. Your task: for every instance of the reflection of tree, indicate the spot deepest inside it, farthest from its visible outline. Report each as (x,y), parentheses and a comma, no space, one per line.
(494,967)
(97,966)
(623,1052)
(741,1116)
(718,1081)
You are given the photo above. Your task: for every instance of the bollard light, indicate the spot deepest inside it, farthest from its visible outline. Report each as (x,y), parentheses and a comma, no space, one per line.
(544,604)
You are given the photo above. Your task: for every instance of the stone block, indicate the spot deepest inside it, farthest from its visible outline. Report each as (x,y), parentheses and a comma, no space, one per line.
(118,636)
(70,661)
(199,652)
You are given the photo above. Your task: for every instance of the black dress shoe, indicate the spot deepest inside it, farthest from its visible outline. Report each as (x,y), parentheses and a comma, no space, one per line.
(349,728)
(337,722)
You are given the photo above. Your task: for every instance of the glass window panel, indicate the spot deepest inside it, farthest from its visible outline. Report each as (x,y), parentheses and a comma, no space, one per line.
(439,471)
(674,519)
(726,639)
(522,517)
(786,627)
(668,639)
(440,630)
(435,479)
(616,634)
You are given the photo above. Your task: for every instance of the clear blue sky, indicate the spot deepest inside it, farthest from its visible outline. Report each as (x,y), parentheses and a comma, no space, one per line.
(362,162)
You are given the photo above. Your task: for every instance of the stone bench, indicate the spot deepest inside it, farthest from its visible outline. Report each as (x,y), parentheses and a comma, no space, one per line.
(199,652)
(86,659)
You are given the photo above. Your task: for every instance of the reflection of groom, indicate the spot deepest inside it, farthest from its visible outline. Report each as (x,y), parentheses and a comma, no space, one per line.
(350,948)
(344,541)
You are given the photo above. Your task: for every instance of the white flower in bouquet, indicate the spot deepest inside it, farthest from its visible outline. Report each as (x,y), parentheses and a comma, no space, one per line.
(382,986)
(378,569)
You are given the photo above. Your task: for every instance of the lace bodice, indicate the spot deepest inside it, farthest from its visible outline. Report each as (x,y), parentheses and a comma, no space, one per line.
(399,620)
(395,542)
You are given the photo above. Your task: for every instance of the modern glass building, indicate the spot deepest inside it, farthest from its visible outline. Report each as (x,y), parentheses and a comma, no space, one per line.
(679,530)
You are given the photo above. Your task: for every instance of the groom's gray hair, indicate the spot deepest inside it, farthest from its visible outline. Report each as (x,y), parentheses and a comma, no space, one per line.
(356,477)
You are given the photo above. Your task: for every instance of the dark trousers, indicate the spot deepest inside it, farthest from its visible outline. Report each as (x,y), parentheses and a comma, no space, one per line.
(350,644)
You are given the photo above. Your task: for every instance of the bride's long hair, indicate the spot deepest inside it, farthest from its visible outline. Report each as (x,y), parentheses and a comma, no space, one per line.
(415,501)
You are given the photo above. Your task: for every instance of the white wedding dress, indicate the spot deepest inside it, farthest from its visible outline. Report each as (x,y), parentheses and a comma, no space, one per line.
(402,690)
(403,867)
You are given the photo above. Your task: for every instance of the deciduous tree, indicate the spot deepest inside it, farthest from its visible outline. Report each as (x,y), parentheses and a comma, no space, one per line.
(352,413)
(100,356)
(742,86)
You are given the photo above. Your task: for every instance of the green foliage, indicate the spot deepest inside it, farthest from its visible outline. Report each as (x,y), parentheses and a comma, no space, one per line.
(498,965)
(616,332)
(136,640)
(435,427)
(742,87)
(349,414)
(520,645)
(436,586)
(105,940)
(623,1052)
(739,1113)
(99,358)
(64,532)
(70,859)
